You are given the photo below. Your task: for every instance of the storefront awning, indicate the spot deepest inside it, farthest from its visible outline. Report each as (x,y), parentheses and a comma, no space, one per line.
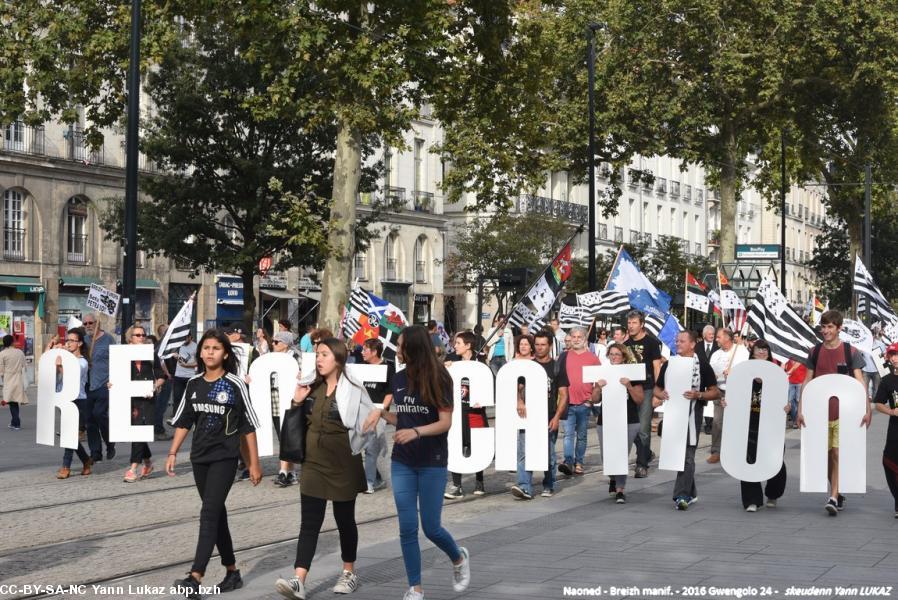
(148,284)
(84,282)
(280,294)
(311,295)
(26,285)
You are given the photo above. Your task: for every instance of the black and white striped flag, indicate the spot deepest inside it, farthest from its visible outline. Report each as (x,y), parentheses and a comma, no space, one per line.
(177,332)
(865,287)
(774,321)
(591,305)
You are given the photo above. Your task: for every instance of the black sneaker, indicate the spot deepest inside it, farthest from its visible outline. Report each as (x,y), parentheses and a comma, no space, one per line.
(97,457)
(620,498)
(840,502)
(612,487)
(640,473)
(519,492)
(281,480)
(292,479)
(189,587)
(244,475)
(478,489)
(232,581)
(565,469)
(831,507)
(110,451)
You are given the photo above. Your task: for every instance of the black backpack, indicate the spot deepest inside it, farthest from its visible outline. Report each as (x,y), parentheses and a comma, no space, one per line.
(815,354)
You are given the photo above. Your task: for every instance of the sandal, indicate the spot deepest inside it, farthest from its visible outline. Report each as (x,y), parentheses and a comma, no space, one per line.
(578,469)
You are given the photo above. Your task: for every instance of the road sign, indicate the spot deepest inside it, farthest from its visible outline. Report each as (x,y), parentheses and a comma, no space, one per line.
(757,251)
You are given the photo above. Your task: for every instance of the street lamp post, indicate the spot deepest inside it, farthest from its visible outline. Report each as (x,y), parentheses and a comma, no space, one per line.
(129,276)
(591,70)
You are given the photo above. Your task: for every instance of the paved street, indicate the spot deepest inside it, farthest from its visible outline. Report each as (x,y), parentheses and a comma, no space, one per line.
(101,530)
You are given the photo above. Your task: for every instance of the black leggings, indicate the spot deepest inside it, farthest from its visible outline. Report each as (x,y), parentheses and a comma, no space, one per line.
(213,480)
(456,478)
(312,517)
(890,465)
(752,492)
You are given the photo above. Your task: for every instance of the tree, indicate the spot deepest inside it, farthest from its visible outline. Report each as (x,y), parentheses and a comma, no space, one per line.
(239,179)
(485,246)
(668,265)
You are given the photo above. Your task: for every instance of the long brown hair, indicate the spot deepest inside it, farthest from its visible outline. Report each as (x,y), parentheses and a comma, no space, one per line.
(338,349)
(426,374)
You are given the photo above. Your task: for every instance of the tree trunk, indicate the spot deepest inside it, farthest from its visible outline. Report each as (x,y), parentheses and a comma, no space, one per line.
(728,183)
(347,173)
(247,274)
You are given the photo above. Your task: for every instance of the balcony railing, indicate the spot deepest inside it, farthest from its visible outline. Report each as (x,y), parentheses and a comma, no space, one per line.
(675,188)
(14,243)
(390,269)
(77,252)
(24,139)
(424,202)
(78,149)
(420,272)
(560,209)
(603,231)
(619,235)
(394,194)
(698,248)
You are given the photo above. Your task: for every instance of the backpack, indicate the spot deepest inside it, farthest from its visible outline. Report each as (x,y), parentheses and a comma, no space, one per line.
(815,354)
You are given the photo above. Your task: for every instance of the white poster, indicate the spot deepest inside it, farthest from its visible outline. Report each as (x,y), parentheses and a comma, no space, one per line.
(677,381)
(615,453)
(48,399)
(102,300)
(480,386)
(508,422)
(856,334)
(122,389)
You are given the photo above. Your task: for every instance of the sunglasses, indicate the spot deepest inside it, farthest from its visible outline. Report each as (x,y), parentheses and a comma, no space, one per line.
(89,322)
(138,335)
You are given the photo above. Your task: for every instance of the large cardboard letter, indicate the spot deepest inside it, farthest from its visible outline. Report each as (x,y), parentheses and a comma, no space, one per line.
(852,436)
(49,399)
(260,372)
(536,425)
(771,427)
(123,389)
(615,453)
(362,372)
(480,388)
(677,381)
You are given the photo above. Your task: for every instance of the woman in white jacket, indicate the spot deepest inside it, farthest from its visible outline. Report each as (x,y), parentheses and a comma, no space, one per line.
(332,469)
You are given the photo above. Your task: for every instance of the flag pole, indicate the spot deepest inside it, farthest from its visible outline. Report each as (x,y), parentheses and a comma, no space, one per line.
(685,303)
(723,311)
(613,266)
(530,287)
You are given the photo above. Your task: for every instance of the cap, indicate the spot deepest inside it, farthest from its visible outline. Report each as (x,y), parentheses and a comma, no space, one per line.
(231,329)
(284,337)
(893,349)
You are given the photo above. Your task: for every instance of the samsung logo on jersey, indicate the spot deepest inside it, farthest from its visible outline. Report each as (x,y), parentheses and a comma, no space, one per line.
(209,408)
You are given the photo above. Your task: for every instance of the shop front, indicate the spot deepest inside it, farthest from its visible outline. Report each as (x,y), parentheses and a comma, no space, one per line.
(274,300)
(228,300)
(21,309)
(423,306)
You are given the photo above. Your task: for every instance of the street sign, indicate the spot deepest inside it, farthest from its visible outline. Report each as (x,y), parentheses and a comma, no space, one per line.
(757,251)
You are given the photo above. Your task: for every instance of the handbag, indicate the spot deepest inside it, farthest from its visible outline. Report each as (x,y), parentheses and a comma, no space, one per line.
(293,432)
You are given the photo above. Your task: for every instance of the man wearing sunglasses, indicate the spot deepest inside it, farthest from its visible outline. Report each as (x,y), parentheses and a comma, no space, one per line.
(97,393)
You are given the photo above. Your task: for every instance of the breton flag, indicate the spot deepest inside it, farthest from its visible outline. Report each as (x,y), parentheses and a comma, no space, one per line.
(731,302)
(178,330)
(771,317)
(579,310)
(370,317)
(532,309)
(865,287)
(696,294)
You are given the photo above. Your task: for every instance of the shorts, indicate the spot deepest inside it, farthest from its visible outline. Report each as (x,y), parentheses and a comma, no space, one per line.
(832,438)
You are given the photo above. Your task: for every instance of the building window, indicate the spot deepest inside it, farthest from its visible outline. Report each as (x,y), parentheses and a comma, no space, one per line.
(390,262)
(360,267)
(420,260)
(13,225)
(76,218)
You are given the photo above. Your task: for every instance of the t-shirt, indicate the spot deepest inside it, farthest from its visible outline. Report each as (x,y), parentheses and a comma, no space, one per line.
(377,390)
(99,365)
(632,411)
(570,375)
(646,350)
(85,370)
(798,374)
(305,343)
(426,451)
(221,412)
(552,375)
(831,361)
(724,360)
(187,354)
(706,379)
(436,340)
(888,394)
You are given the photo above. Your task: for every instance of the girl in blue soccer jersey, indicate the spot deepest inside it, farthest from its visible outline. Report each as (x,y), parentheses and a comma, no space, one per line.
(216,403)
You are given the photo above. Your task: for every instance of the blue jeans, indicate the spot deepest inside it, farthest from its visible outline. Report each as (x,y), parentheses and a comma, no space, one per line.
(576,423)
(421,488)
(161,404)
(644,437)
(97,410)
(525,478)
(496,363)
(372,475)
(794,390)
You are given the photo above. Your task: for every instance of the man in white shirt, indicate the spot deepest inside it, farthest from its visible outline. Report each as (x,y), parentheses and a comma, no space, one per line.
(722,361)
(185,369)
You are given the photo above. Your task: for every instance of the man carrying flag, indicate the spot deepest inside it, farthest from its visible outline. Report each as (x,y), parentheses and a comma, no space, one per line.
(369,317)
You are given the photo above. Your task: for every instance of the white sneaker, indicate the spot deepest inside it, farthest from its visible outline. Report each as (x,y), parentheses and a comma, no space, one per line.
(347,583)
(413,594)
(461,574)
(751,508)
(290,588)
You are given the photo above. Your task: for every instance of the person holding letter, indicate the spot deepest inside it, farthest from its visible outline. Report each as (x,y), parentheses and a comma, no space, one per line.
(473,417)
(580,396)
(646,349)
(833,356)
(619,354)
(887,404)
(216,403)
(422,399)
(74,343)
(703,388)
(142,408)
(752,494)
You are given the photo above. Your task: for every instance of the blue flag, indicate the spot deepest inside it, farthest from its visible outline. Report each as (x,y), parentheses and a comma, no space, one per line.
(668,333)
(626,277)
